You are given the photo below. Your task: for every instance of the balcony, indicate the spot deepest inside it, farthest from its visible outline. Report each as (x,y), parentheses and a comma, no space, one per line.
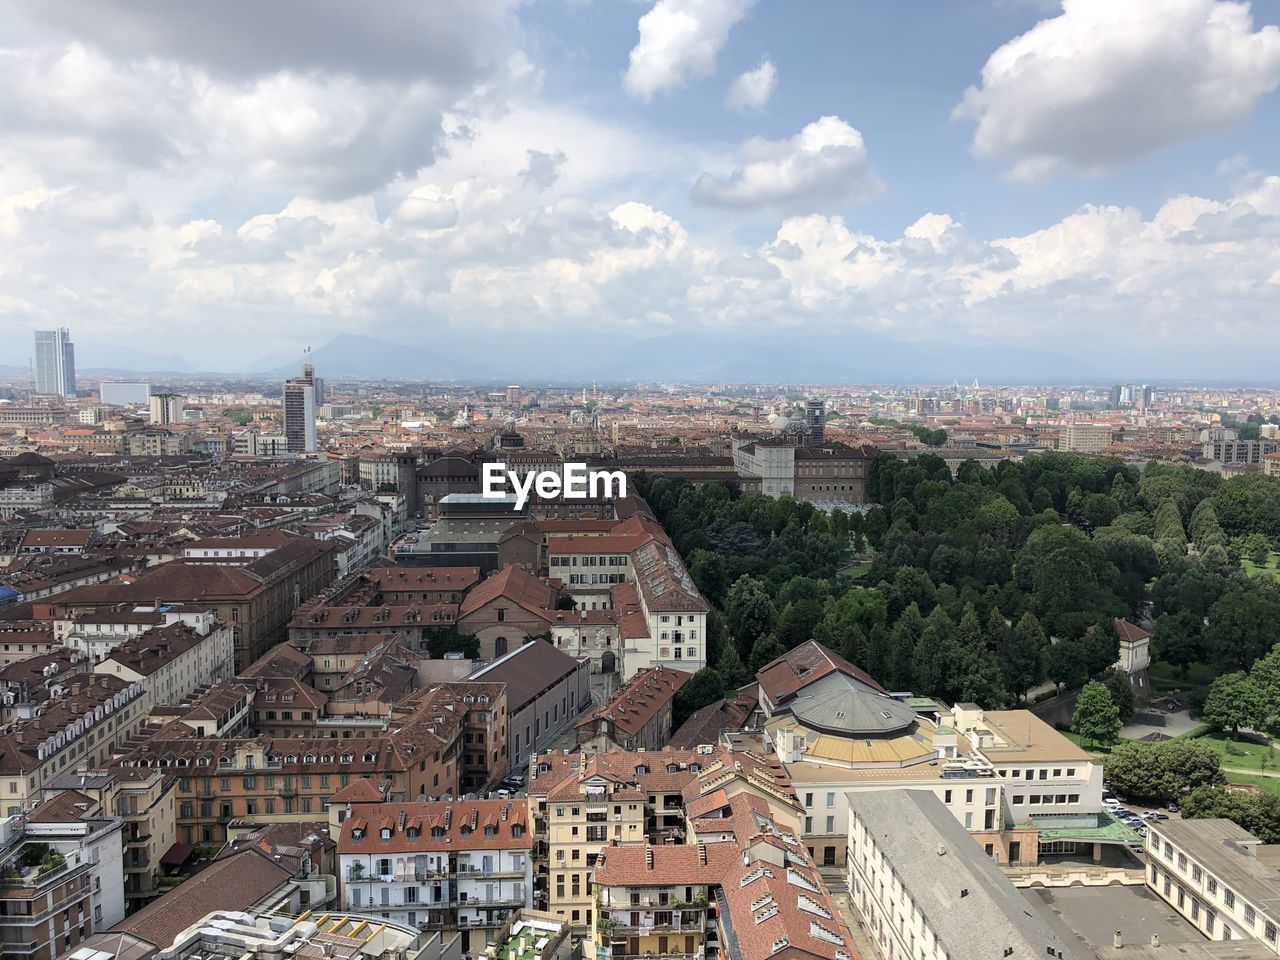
(644,930)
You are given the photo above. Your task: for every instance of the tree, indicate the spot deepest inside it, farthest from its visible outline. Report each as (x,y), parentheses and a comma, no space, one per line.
(1242,624)
(1096,719)
(1179,639)
(904,639)
(441,640)
(1233,702)
(1162,771)
(1259,815)
(1256,547)
(979,679)
(936,656)
(750,611)
(731,668)
(1064,664)
(765,651)
(704,687)
(1121,690)
(1022,658)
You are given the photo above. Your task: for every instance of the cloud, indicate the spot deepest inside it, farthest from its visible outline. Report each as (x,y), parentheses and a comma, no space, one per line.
(826,162)
(752,90)
(1105,83)
(444,40)
(679,42)
(542,170)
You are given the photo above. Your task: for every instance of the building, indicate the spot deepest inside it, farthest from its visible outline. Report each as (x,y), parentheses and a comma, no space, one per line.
(925,891)
(55,363)
(464,865)
(87,725)
(1225,446)
(124,394)
(1093,438)
(659,900)
(231,931)
(166,408)
(1135,653)
(507,610)
(827,472)
(76,826)
(255,596)
(144,799)
(636,717)
(300,412)
(256,878)
(546,690)
(47,899)
(1022,789)
(1219,877)
(173,661)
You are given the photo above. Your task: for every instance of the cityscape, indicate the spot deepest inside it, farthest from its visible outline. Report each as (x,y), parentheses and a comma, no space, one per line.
(678,480)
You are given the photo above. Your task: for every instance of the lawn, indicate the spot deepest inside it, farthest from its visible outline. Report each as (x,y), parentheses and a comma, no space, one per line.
(1265,784)
(1243,754)
(1168,677)
(1272,568)
(1098,751)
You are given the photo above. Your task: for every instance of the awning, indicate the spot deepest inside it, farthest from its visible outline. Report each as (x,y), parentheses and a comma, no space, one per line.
(177,855)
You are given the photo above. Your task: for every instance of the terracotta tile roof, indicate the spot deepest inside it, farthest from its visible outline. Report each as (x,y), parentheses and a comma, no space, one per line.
(364,790)
(439,825)
(57,538)
(636,865)
(235,883)
(517,585)
(632,707)
(1130,632)
(706,725)
(801,666)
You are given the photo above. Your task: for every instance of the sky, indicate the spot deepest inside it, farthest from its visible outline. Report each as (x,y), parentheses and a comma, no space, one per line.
(1094,183)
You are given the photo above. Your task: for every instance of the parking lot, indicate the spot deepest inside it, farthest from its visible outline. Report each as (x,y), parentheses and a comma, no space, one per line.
(1135,816)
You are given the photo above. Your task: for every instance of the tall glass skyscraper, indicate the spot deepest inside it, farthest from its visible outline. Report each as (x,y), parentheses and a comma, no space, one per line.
(55,363)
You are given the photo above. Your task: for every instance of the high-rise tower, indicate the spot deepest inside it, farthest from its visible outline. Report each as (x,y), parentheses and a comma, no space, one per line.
(55,363)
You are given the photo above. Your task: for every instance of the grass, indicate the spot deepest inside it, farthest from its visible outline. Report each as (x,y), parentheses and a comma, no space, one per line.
(855,570)
(1096,749)
(1271,568)
(1166,676)
(1243,754)
(1265,784)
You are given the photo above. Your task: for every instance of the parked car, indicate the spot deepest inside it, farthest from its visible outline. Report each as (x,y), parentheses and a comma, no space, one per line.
(1172,808)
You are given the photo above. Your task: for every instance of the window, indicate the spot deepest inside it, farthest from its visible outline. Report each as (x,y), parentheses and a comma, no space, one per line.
(831,800)
(1228,897)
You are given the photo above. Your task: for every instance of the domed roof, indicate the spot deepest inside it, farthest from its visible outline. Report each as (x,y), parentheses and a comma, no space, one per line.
(841,705)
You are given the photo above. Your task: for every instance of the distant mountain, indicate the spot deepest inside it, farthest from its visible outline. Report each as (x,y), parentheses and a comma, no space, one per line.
(114,359)
(353,355)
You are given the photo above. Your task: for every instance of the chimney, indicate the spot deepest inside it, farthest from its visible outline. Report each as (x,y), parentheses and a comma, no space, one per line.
(1155,940)
(648,858)
(1116,940)
(702,854)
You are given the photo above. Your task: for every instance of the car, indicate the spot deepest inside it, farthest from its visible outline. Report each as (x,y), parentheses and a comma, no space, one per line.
(1141,831)
(1172,808)
(503,794)
(515,781)
(1157,815)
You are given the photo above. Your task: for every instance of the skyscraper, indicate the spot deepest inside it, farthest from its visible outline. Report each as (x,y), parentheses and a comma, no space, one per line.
(814,422)
(300,411)
(55,363)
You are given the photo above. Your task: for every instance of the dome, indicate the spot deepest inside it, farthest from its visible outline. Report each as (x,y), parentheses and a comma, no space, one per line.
(843,706)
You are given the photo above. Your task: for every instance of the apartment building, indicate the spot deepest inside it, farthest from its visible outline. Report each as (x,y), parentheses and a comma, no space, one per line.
(638,716)
(267,779)
(46,901)
(657,900)
(1219,877)
(73,825)
(463,865)
(925,891)
(144,800)
(257,599)
(584,816)
(173,661)
(86,726)
(663,616)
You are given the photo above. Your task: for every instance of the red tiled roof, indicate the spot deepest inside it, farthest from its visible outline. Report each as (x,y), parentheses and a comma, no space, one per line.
(803,665)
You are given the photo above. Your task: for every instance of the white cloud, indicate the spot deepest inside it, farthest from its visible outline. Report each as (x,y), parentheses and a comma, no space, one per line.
(826,162)
(679,43)
(752,90)
(1104,83)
